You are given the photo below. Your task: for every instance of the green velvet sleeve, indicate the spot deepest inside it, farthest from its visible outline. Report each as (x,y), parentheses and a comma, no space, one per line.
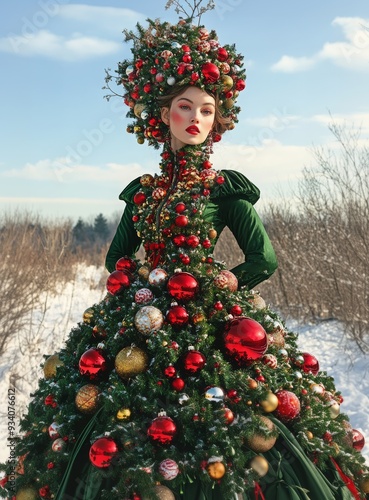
(260,259)
(125,241)
(235,199)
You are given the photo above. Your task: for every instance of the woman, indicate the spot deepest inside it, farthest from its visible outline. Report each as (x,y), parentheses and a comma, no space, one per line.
(181,383)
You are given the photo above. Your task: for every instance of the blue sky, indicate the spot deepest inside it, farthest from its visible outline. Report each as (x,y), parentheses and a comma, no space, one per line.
(64,149)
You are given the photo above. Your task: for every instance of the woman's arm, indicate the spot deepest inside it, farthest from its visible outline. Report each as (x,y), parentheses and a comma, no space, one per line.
(125,241)
(260,259)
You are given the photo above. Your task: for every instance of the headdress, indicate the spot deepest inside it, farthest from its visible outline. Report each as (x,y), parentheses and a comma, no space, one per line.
(166,55)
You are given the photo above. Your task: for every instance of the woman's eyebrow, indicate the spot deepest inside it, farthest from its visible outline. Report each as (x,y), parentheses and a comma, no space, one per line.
(189,100)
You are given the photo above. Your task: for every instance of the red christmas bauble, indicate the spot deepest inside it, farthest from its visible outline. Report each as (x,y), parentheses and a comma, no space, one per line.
(222,54)
(102,452)
(358,440)
(92,364)
(180,207)
(170,371)
(179,240)
(288,406)
(192,241)
(236,310)
(181,221)
(139,198)
(194,361)
(310,364)
(117,282)
(211,72)
(183,286)
(177,316)
(240,85)
(125,263)
(178,384)
(228,415)
(245,340)
(162,430)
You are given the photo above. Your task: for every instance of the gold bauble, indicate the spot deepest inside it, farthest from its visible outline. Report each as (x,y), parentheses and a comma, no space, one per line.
(227,82)
(88,315)
(364,485)
(140,140)
(228,103)
(161,492)
(216,470)
(87,398)
(27,493)
(270,403)
(123,414)
(51,364)
(257,302)
(212,234)
(260,465)
(131,361)
(309,434)
(252,384)
(258,442)
(317,389)
(198,318)
(334,409)
(146,180)
(138,108)
(144,272)
(276,338)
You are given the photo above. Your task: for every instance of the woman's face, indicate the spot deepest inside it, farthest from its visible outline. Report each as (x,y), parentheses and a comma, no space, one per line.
(190,117)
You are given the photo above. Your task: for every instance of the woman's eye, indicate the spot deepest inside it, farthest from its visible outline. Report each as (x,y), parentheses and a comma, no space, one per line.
(184,107)
(207,111)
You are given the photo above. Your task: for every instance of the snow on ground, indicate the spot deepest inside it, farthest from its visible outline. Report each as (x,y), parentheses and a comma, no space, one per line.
(20,365)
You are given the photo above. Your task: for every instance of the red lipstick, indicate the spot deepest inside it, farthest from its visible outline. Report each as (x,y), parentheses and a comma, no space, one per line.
(192,129)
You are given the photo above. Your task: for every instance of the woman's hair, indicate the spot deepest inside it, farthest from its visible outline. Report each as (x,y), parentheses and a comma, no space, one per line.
(221,123)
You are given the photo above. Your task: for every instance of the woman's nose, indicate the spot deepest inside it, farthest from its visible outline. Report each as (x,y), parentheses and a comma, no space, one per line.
(194,120)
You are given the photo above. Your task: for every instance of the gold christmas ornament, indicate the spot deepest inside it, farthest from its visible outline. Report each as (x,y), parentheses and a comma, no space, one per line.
(148,319)
(364,485)
(144,272)
(51,364)
(161,492)
(212,233)
(27,493)
(146,180)
(216,469)
(276,338)
(257,301)
(252,384)
(88,315)
(131,361)
(334,409)
(123,414)
(260,465)
(309,434)
(87,398)
(258,442)
(270,403)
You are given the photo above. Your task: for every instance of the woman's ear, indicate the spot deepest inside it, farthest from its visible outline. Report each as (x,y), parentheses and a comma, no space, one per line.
(165,115)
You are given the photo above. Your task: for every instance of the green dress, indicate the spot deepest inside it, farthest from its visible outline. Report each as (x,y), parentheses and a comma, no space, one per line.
(182,378)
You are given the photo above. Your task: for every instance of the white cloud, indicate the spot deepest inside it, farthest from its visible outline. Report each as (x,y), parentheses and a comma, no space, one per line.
(353,53)
(108,18)
(288,64)
(276,121)
(47,44)
(266,164)
(102,32)
(357,123)
(62,170)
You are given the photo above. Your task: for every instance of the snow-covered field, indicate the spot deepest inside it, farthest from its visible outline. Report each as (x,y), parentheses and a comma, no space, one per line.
(50,326)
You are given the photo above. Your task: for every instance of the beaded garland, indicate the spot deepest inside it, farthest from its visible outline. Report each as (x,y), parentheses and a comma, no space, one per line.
(168,207)
(165,55)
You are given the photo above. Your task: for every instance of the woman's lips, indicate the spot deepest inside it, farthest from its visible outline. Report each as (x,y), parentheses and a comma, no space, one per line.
(192,130)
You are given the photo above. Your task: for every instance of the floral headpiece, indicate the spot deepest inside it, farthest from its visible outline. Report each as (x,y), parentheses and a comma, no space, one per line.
(165,55)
